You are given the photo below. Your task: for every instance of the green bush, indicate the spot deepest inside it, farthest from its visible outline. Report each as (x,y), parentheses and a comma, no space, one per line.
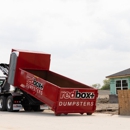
(106,84)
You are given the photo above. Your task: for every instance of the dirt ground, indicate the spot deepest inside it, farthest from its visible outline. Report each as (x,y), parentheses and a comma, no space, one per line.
(103,105)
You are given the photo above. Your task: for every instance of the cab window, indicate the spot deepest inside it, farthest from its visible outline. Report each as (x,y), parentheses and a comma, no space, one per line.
(1,82)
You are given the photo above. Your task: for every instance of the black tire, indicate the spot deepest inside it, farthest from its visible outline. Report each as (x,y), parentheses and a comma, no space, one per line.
(36,108)
(81,113)
(27,108)
(57,114)
(89,114)
(65,113)
(10,104)
(3,103)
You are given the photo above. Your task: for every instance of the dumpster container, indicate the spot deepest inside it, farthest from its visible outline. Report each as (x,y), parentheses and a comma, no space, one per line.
(30,73)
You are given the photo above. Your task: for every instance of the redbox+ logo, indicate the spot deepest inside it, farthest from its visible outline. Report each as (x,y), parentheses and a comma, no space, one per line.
(76,95)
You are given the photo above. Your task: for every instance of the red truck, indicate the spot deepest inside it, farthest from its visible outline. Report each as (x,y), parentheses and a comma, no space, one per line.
(36,85)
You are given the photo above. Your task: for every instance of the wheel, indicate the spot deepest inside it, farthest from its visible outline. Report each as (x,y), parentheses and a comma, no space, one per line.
(65,113)
(81,113)
(3,103)
(89,113)
(10,104)
(27,108)
(36,108)
(57,114)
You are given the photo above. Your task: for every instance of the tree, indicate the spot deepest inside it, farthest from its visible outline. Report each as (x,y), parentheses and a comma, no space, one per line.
(106,84)
(97,86)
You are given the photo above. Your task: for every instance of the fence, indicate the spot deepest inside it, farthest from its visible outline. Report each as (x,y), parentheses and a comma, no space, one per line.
(124,102)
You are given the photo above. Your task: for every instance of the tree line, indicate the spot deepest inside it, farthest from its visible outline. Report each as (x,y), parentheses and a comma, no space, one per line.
(105,86)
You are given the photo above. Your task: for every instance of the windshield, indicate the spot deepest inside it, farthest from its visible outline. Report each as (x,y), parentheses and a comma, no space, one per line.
(1,82)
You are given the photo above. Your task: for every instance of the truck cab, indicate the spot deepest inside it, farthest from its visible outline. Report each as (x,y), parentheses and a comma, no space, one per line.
(4,86)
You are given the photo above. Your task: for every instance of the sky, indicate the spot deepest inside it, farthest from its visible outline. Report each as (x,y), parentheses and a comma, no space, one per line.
(87,39)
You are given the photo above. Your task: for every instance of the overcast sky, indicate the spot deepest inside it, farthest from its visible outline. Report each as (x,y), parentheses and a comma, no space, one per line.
(87,39)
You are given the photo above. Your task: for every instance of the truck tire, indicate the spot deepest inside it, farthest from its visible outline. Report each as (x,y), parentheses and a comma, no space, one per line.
(3,103)
(10,104)
(36,108)
(27,108)
(57,114)
(89,113)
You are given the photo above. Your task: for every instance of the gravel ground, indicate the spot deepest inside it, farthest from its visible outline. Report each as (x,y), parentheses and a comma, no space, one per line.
(110,108)
(103,105)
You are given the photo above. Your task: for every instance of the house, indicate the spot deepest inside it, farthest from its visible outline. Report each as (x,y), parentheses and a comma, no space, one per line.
(118,81)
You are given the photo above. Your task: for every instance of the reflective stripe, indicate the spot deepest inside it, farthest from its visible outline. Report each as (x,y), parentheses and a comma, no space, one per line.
(17,106)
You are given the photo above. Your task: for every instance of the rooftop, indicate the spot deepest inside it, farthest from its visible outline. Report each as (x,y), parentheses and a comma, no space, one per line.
(123,73)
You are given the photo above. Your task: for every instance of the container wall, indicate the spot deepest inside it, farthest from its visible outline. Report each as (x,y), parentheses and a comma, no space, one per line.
(58,79)
(77,100)
(38,88)
(67,97)
(28,60)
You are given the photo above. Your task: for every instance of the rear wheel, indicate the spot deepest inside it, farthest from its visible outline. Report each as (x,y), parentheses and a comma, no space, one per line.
(2,103)
(57,114)
(36,108)
(27,107)
(81,113)
(10,104)
(65,113)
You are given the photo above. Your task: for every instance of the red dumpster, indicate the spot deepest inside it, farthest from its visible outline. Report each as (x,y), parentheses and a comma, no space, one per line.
(62,94)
